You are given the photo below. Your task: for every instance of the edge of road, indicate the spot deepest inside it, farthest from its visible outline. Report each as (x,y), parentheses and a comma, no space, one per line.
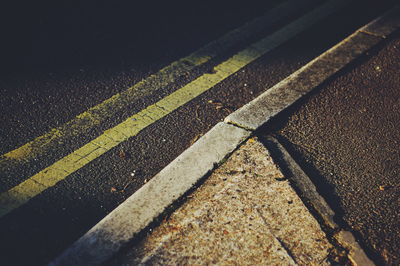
(75,159)
(317,203)
(135,214)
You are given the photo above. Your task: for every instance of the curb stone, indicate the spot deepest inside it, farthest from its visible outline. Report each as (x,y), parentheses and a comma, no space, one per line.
(308,191)
(146,204)
(384,25)
(302,182)
(259,111)
(244,213)
(356,254)
(122,224)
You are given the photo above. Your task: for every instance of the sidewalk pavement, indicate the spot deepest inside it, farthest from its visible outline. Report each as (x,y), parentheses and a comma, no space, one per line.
(245,213)
(248,200)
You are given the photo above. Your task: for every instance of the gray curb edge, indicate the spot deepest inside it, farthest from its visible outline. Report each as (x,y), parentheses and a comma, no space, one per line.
(309,192)
(138,211)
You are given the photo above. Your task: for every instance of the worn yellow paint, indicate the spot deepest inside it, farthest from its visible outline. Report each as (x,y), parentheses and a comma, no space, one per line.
(92,117)
(95,115)
(114,136)
(99,113)
(22,152)
(53,174)
(196,59)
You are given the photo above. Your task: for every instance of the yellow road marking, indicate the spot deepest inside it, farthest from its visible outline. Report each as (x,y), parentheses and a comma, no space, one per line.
(112,137)
(99,113)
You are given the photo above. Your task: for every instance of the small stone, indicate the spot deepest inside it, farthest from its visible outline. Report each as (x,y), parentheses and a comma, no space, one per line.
(384,187)
(122,154)
(251,140)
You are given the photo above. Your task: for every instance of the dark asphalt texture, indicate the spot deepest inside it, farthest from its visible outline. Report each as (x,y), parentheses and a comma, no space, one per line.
(61,58)
(347,138)
(57,83)
(37,117)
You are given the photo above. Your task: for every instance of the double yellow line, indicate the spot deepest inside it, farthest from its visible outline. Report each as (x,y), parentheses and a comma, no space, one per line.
(112,137)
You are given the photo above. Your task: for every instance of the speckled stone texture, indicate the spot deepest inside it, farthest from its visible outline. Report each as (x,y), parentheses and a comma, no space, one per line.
(244,213)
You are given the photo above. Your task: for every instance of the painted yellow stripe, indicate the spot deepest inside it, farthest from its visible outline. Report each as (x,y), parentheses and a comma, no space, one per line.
(105,110)
(50,176)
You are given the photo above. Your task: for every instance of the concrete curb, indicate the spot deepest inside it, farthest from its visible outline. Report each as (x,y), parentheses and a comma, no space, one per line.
(245,213)
(356,254)
(303,183)
(259,111)
(138,211)
(384,25)
(309,192)
(146,204)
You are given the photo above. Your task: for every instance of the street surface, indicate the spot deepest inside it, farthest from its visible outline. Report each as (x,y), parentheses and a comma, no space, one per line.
(62,60)
(347,137)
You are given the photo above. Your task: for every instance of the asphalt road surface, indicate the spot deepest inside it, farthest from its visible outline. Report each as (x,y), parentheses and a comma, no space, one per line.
(62,59)
(347,137)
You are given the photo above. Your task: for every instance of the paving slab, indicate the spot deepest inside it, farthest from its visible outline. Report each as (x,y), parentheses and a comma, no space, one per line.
(245,213)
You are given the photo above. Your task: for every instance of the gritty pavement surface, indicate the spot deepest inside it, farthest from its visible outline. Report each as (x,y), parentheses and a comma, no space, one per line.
(245,213)
(73,68)
(346,136)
